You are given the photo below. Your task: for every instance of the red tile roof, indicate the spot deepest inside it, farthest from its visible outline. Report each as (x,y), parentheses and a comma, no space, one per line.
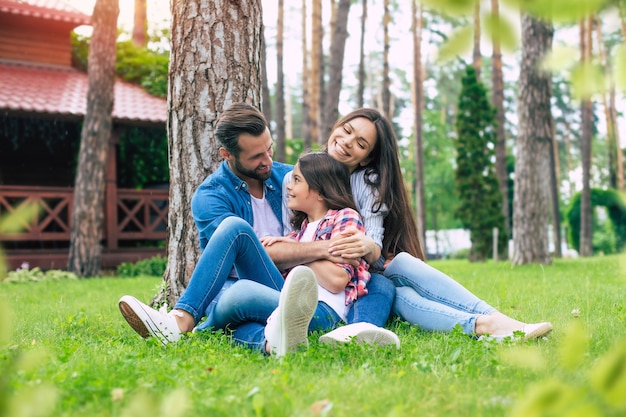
(62,91)
(45,9)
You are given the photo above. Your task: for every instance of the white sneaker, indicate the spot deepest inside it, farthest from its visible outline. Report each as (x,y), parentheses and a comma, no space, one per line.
(287,327)
(531,331)
(150,322)
(365,333)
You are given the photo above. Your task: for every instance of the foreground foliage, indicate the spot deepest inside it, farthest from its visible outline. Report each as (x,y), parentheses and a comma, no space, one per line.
(70,349)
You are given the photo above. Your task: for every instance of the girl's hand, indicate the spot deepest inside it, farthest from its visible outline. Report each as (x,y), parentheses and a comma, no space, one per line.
(351,244)
(270,240)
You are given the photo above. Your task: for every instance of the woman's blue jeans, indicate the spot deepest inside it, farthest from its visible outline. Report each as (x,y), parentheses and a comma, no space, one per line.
(233,244)
(430,299)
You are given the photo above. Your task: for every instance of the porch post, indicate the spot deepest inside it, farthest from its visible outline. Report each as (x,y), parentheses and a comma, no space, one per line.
(110,214)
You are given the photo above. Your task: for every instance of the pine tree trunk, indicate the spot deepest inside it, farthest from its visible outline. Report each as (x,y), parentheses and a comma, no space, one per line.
(586,116)
(335,70)
(266,102)
(385,91)
(280,88)
(361,87)
(88,207)
(316,70)
(477,58)
(306,89)
(418,87)
(498,104)
(532,168)
(215,61)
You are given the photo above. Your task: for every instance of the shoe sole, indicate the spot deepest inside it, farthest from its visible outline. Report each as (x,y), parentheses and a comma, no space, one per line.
(366,337)
(540,331)
(145,328)
(298,301)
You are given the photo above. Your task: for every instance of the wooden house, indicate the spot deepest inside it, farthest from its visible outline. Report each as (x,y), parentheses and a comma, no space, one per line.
(43,100)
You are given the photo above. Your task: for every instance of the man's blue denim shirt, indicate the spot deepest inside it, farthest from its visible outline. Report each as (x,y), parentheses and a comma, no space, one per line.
(223,194)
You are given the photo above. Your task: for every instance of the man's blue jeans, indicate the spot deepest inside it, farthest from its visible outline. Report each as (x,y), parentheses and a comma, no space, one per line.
(234,244)
(430,299)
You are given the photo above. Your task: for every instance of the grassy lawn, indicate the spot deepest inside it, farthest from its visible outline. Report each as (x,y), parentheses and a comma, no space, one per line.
(65,350)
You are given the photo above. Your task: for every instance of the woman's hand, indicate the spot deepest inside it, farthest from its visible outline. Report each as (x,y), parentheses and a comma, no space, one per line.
(354,244)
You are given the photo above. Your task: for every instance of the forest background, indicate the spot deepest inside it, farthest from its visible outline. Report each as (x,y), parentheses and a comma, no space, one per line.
(442,87)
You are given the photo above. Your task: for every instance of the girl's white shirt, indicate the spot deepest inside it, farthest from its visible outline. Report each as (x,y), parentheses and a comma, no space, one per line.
(335,301)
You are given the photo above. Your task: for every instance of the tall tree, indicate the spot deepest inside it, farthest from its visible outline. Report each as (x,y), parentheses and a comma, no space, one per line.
(306,87)
(140,23)
(361,74)
(385,91)
(215,61)
(586,115)
(280,87)
(418,94)
(477,184)
(533,143)
(497,100)
(335,68)
(316,73)
(87,215)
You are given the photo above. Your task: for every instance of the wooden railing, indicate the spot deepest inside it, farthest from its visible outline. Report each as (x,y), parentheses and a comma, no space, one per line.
(135,215)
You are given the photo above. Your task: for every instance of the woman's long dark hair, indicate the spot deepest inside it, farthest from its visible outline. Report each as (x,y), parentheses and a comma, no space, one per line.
(328,177)
(384,174)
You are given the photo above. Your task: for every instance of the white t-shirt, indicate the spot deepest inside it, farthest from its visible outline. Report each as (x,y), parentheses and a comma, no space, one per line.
(335,301)
(265,221)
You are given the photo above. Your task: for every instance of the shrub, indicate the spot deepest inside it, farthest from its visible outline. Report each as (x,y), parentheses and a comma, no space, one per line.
(154,266)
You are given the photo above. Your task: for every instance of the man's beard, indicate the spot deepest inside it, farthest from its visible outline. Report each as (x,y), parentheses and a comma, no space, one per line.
(252,173)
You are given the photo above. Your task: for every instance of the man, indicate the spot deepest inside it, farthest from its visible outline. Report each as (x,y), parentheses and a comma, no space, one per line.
(238,203)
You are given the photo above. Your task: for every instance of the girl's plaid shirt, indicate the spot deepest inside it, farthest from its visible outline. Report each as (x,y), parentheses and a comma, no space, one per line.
(333,223)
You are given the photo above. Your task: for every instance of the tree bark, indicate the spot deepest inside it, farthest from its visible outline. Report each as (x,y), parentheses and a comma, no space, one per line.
(335,69)
(215,61)
(385,92)
(532,168)
(306,88)
(266,100)
(87,215)
(361,87)
(498,104)
(280,88)
(418,87)
(586,112)
(316,70)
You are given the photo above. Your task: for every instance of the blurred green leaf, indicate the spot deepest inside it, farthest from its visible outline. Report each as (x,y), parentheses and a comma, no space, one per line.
(451,7)
(574,346)
(587,79)
(608,376)
(458,43)
(176,404)
(18,219)
(560,59)
(567,11)
(501,30)
(33,402)
(619,67)
(524,357)
(549,397)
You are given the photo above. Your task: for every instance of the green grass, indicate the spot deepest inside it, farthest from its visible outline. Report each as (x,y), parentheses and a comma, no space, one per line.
(70,353)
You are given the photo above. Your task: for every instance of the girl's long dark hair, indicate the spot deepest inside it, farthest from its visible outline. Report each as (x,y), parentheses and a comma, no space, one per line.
(328,177)
(384,174)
